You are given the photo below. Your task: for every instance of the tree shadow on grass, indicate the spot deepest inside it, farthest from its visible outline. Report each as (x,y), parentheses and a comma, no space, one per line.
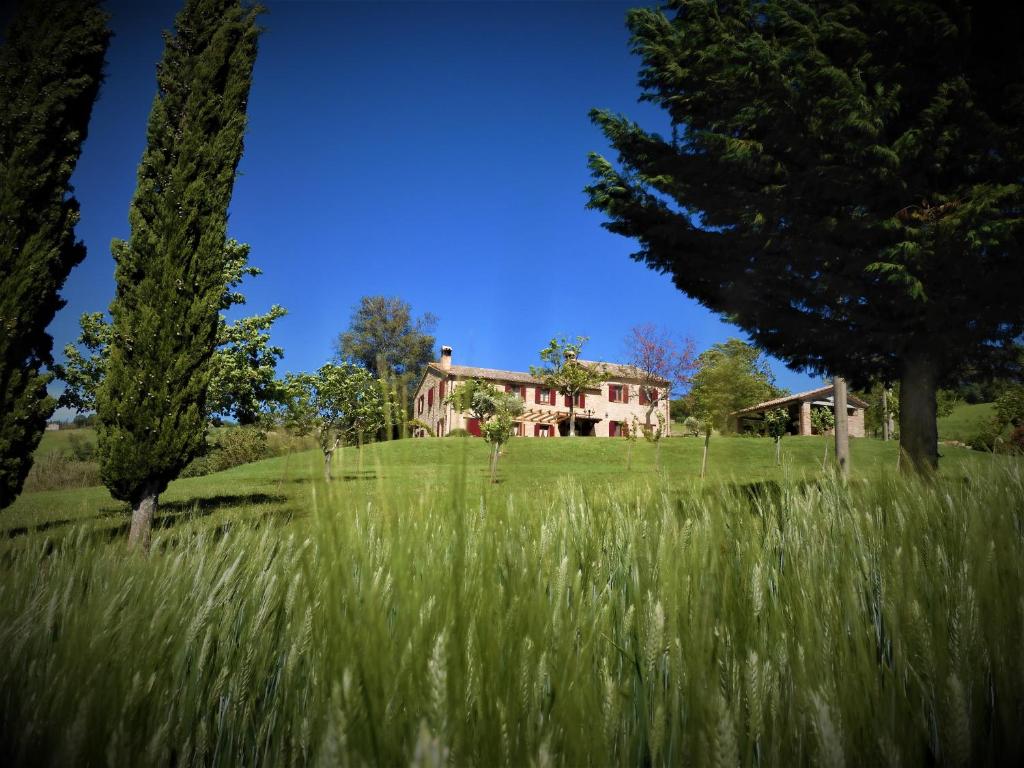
(168,514)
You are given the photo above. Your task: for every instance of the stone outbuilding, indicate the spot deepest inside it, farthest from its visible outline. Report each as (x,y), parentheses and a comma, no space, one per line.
(799,407)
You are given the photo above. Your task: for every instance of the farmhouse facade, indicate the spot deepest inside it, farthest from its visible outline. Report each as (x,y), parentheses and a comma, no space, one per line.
(604,411)
(799,407)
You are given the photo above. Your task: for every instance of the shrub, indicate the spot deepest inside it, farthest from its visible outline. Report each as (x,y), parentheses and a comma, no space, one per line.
(459,433)
(232,447)
(82,449)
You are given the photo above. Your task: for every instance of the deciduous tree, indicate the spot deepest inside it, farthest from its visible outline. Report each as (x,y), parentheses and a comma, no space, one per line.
(842,180)
(385,338)
(170,274)
(243,380)
(663,362)
(562,371)
(776,424)
(50,71)
(343,404)
(730,376)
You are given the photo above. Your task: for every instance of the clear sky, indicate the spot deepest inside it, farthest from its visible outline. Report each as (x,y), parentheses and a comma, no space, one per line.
(434,151)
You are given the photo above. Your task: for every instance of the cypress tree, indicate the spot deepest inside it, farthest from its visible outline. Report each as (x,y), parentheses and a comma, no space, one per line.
(843,181)
(50,72)
(170,273)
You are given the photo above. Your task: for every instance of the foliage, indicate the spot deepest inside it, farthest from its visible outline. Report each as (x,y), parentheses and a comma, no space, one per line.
(1010,406)
(458,432)
(730,376)
(823,419)
(385,338)
(232,447)
(413,424)
(783,624)
(342,404)
(777,423)
(842,180)
(562,371)
(51,66)
(479,398)
(691,426)
(243,384)
(663,363)
(170,274)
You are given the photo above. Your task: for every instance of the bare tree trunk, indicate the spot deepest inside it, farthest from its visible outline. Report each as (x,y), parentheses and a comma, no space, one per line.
(919,436)
(842,428)
(778,451)
(885,414)
(141,533)
(494,462)
(327,464)
(704,461)
(572,416)
(824,459)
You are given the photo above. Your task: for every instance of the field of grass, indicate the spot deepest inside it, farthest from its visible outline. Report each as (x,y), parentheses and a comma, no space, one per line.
(966,421)
(575,613)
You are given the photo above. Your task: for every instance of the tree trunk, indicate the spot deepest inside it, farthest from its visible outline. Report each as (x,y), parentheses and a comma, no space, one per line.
(919,437)
(140,534)
(842,427)
(572,417)
(704,461)
(494,463)
(327,464)
(885,414)
(778,451)
(824,459)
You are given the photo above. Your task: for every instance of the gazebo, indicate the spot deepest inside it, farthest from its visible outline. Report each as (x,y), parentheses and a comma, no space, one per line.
(799,407)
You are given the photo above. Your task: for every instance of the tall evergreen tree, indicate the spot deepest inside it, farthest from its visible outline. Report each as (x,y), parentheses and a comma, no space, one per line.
(843,180)
(170,273)
(50,72)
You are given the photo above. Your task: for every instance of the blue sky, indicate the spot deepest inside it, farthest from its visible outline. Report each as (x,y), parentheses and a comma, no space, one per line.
(432,151)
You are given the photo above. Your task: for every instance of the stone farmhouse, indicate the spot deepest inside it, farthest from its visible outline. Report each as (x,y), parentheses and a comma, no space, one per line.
(799,407)
(605,411)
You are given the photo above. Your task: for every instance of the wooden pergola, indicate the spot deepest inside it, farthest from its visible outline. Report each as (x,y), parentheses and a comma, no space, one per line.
(543,417)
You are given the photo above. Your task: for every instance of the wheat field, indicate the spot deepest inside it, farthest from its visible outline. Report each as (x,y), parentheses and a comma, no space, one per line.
(874,622)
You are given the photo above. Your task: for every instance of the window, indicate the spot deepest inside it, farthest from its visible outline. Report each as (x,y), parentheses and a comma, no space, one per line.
(420,404)
(430,398)
(542,395)
(615,393)
(580,400)
(541,430)
(617,429)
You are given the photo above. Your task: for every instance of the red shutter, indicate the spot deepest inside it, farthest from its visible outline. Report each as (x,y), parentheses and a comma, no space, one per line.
(536,430)
(440,391)
(611,428)
(625,393)
(643,396)
(583,400)
(430,398)
(473,427)
(536,395)
(568,401)
(508,388)
(551,395)
(522,392)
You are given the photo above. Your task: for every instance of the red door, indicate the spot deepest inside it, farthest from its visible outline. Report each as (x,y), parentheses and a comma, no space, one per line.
(473,427)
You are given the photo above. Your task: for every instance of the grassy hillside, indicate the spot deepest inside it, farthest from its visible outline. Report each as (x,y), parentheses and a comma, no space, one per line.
(966,421)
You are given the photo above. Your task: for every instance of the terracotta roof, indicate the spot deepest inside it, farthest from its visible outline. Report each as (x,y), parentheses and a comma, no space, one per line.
(614,370)
(808,395)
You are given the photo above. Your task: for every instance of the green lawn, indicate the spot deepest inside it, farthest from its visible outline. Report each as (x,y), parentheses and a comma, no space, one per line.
(282,487)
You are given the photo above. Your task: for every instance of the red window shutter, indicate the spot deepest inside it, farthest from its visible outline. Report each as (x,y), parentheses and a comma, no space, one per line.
(522,392)
(611,428)
(440,391)
(508,388)
(625,393)
(583,400)
(568,401)
(430,398)
(536,395)
(643,396)
(551,394)
(473,427)
(536,430)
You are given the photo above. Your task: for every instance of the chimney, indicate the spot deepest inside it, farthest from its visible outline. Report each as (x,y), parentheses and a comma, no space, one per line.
(446,358)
